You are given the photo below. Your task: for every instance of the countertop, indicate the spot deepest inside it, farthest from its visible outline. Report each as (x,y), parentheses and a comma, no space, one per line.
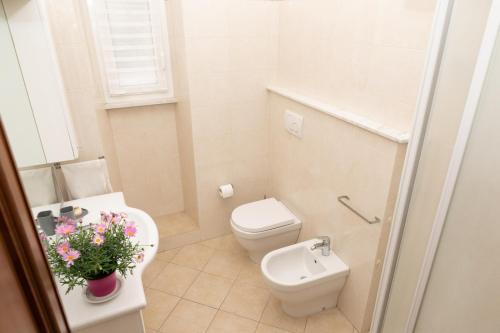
(79,312)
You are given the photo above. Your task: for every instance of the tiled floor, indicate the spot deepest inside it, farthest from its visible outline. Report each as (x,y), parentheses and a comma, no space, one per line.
(212,286)
(174,224)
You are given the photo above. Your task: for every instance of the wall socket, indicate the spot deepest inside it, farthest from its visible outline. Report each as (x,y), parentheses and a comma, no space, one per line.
(293,123)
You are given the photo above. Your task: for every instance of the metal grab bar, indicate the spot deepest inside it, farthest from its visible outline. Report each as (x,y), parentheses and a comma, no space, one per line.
(342,199)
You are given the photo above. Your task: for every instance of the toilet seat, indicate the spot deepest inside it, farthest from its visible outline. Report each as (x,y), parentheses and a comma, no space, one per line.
(263,226)
(262,215)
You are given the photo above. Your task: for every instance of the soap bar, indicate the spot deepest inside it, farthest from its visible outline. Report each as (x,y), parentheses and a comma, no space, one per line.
(77,211)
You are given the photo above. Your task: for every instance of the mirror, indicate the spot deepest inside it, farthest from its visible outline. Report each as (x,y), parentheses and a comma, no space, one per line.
(15,107)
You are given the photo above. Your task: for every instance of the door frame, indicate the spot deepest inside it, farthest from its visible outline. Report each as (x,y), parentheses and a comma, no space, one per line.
(25,252)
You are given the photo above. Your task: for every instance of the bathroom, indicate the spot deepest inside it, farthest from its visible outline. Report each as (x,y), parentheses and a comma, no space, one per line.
(331,127)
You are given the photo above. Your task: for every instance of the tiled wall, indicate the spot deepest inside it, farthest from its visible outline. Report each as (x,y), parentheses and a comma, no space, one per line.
(363,56)
(148,158)
(126,137)
(332,159)
(231,51)
(183,117)
(76,69)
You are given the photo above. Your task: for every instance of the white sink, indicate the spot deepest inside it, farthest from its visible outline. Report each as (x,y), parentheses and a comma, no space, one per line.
(123,313)
(304,280)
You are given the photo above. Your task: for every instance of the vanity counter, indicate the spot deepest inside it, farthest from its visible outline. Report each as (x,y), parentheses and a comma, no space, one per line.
(123,312)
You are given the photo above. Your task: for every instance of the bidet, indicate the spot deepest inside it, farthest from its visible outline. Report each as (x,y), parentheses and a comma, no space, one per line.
(304,280)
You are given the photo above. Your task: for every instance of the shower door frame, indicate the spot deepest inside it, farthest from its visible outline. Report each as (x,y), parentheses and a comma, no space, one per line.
(434,55)
(438,38)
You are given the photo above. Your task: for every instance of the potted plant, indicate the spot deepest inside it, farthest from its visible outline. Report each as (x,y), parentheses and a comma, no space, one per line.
(92,254)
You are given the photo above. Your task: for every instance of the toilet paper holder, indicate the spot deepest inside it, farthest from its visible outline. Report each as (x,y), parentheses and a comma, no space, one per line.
(226,191)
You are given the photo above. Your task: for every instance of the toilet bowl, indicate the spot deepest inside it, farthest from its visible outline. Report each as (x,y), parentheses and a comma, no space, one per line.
(304,280)
(263,226)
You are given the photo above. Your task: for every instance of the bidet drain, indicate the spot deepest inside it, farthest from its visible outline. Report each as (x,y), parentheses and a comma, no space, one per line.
(303,277)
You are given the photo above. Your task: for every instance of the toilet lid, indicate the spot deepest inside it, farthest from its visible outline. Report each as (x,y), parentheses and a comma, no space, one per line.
(262,215)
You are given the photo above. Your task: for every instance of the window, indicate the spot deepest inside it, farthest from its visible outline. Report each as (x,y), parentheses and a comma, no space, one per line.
(132,46)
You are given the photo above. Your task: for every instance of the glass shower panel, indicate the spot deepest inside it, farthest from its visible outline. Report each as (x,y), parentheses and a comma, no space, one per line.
(463,292)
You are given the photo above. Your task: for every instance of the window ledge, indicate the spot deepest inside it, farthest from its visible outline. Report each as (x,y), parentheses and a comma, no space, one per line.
(140,102)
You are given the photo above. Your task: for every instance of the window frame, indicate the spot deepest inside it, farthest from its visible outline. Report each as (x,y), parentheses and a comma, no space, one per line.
(132,99)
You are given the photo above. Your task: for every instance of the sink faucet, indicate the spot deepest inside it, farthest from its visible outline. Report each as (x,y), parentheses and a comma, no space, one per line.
(324,245)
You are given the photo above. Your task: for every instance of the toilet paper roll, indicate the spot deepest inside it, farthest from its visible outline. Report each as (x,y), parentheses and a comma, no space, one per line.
(226,191)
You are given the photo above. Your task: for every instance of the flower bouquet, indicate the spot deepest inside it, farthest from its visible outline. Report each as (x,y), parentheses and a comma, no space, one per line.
(92,254)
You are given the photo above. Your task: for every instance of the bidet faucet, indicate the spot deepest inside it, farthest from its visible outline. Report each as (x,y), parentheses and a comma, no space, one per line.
(324,245)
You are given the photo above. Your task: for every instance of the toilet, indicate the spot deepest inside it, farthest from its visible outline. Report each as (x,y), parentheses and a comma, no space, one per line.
(304,279)
(263,226)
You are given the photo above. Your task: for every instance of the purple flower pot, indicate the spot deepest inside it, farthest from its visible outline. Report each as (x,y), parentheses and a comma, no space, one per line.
(103,286)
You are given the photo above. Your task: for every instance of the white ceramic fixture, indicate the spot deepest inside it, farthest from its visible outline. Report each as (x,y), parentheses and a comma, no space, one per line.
(123,313)
(304,280)
(263,226)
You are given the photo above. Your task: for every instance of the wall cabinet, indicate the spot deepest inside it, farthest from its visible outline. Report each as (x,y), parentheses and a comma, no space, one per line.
(33,104)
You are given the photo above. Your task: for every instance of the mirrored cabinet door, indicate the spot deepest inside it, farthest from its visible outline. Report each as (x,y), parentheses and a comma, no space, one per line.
(15,107)
(32,99)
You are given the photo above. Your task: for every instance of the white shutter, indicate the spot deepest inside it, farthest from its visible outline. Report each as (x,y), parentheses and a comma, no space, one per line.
(131,40)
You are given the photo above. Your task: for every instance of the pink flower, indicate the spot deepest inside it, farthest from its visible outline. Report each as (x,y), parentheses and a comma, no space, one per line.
(101,228)
(43,236)
(139,257)
(130,229)
(65,220)
(124,215)
(70,257)
(105,217)
(63,248)
(116,218)
(65,229)
(98,240)
(43,240)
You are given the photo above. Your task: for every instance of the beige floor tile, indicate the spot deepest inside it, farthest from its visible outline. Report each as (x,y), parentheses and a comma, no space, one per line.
(167,255)
(152,271)
(229,323)
(246,301)
(149,330)
(225,264)
(250,274)
(328,321)
(174,279)
(225,243)
(189,317)
(159,306)
(263,328)
(209,290)
(174,224)
(274,316)
(195,256)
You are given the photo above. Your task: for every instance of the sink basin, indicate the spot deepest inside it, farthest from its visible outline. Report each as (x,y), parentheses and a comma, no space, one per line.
(304,280)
